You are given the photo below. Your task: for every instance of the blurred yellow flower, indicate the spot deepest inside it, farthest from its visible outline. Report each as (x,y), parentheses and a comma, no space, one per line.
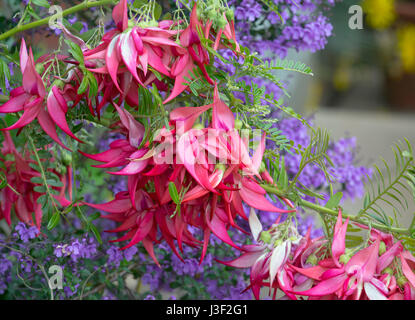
(380,14)
(406,44)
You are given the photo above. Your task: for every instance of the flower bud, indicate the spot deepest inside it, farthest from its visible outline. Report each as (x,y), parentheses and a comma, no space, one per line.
(238,124)
(131,23)
(265,236)
(221,167)
(262,167)
(40,68)
(66,158)
(344,258)
(401,281)
(58,83)
(312,259)
(220,22)
(277,242)
(229,15)
(198,126)
(211,14)
(153,24)
(388,270)
(61,170)
(382,248)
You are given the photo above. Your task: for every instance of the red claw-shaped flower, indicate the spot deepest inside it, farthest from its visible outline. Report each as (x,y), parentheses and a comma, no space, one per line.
(31,98)
(19,194)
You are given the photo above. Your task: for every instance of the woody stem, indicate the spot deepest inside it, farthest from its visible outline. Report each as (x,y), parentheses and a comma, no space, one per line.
(82,6)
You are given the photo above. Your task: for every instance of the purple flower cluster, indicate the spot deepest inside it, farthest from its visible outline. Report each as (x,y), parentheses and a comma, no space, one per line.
(248,10)
(303,27)
(84,249)
(5,266)
(115,255)
(25,233)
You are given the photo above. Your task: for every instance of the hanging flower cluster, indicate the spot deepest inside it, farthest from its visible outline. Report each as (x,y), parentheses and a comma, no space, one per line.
(20,193)
(303,267)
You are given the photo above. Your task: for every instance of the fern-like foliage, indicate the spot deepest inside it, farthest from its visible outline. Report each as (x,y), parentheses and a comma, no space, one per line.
(387,189)
(196,81)
(282,143)
(291,65)
(316,153)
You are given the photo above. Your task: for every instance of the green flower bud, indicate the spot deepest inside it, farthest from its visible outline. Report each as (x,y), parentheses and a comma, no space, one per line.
(40,68)
(238,124)
(153,23)
(221,167)
(401,281)
(230,15)
(198,126)
(66,158)
(146,24)
(278,243)
(59,83)
(61,170)
(262,167)
(131,23)
(344,258)
(388,270)
(221,22)
(211,14)
(265,236)
(312,259)
(382,248)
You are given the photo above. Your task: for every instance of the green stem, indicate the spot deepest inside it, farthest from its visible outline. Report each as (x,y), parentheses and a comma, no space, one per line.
(184,4)
(42,172)
(82,6)
(324,210)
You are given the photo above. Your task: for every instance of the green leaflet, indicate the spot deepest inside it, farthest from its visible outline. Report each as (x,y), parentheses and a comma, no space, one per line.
(387,189)
(173,193)
(334,201)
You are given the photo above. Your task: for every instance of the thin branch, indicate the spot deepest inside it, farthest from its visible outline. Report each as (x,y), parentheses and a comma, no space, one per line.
(324,210)
(42,172)
(82,6)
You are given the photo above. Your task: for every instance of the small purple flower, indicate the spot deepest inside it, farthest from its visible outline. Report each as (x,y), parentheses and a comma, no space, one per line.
(5,265)
(129,253)
(61,251)
(25,233)
(114,256)
(69,292)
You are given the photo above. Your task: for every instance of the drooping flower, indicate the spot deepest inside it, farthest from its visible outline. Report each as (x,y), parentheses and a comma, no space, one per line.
(345,275)
(268,257)
(32,98)
(134,49)
(20,194)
